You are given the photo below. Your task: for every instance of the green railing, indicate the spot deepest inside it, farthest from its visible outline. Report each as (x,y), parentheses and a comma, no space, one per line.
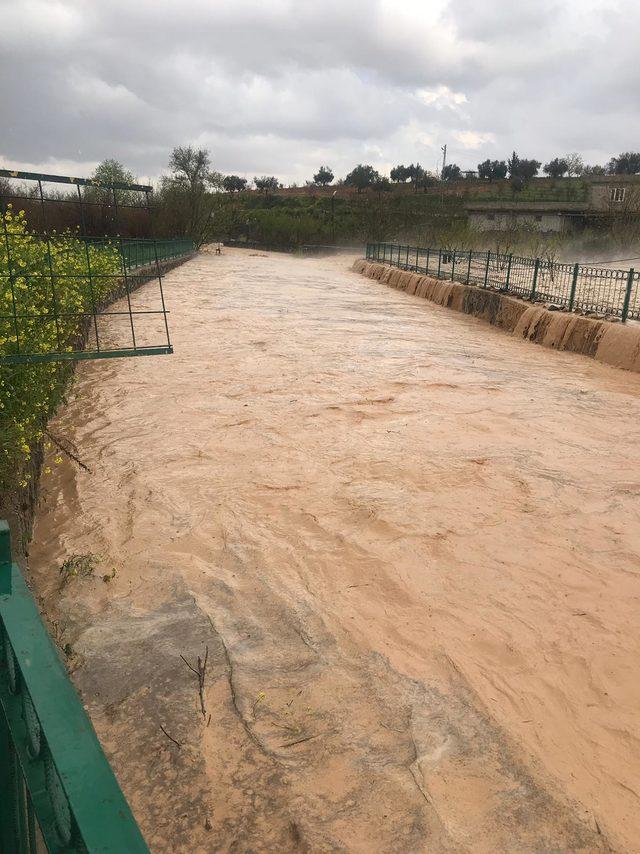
(574,287)
(142,253)
(57,790)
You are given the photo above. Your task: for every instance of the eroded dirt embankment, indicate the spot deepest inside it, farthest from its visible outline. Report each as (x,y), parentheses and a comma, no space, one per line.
(611,343)
(411,545)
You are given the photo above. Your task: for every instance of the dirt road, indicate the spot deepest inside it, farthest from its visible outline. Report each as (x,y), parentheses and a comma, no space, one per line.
(411,545)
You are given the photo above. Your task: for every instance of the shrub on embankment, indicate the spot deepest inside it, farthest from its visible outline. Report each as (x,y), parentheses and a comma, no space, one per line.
(287,221)
(29,393)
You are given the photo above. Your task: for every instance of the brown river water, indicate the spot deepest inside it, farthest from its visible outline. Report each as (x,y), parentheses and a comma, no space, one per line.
(410,544)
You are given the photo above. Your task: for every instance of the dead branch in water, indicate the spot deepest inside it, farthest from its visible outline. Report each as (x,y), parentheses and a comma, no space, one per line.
(201,673)
(170,737)
(61,447)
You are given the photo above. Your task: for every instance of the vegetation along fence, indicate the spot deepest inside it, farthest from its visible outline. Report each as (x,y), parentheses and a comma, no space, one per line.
(58,284)
(57,791)
(574,287)
(144,253)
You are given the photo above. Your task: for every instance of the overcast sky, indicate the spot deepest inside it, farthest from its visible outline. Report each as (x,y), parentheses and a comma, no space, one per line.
(281,86)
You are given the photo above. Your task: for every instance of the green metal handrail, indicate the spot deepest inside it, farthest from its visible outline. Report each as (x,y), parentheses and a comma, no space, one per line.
(601,290)
(56,787)
(142,252)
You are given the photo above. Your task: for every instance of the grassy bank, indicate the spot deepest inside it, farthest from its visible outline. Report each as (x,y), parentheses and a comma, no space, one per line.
(296,220)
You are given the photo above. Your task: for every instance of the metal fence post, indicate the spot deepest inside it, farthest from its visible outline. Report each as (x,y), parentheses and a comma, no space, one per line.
(486,269)
(406,263)
(574,282)
(453,264)
(417,258)
(508,272)
(5,558)
(534,285)
(6,788)
(439,263)
(627,295)
(469,267)
(427,267)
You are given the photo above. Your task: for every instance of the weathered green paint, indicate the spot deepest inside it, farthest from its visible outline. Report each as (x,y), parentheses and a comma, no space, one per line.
(67,746)
(508,272)
(5,558)
(83,182)
(81,355)
(574,283)
(534,284)
(627,295)
(614,295)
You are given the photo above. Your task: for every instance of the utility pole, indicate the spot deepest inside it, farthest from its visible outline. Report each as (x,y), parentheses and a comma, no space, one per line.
(333,218)
(444,163)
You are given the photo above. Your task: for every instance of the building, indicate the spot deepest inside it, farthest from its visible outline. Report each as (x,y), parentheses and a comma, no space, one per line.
(554,207)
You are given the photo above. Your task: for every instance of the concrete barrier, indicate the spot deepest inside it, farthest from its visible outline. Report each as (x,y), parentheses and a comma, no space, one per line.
(612,343)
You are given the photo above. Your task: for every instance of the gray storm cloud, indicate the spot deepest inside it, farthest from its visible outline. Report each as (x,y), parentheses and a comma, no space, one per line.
(279,87)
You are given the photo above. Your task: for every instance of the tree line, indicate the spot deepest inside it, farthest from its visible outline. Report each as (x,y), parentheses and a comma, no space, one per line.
(185,197)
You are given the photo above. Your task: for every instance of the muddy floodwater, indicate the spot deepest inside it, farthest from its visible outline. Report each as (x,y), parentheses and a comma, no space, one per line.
(410,544)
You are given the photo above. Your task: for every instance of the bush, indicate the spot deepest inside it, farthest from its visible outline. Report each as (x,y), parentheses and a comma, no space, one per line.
(30,393)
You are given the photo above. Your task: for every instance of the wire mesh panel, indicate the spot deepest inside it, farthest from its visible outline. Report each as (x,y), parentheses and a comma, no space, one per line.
(575,287)
(68,276)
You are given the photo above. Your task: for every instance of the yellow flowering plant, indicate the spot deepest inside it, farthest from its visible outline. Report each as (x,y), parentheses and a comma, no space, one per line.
(49,289)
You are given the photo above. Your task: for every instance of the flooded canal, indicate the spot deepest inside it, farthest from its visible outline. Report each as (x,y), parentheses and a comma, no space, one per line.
(408,546)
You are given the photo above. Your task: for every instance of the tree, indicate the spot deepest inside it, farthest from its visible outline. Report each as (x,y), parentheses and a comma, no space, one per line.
(266,183)
(190,166)
(382,184)
(215,180)
(594,170)
(575,165)
(492,170)
(234,183)
(111,171)
(323,176)
(451,172)
(417,175)
(556,168)
(400,174)
(187,187)
(362,176)
(627,163)
(522,170)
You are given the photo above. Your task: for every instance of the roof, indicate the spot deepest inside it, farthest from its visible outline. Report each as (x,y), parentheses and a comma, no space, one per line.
(526,207)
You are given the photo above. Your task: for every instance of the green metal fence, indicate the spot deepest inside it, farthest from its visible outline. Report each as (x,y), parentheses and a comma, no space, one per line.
(144,253)
(574,287)
(57,790)
(64,262)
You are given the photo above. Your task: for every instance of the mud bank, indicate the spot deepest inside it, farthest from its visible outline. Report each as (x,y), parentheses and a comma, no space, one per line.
(611,343)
